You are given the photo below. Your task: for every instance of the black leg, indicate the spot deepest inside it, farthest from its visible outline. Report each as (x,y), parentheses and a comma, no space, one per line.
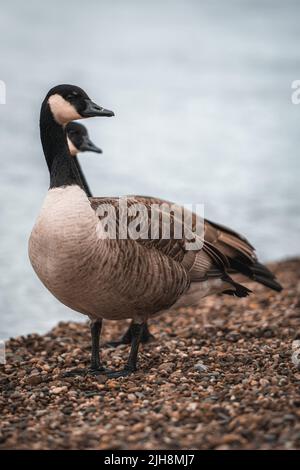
(96,366)
(136,332)
(127,337)
(95,356)
(146,335)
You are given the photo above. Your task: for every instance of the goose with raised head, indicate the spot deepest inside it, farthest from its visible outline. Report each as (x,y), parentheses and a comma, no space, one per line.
(51,240)
(106,277)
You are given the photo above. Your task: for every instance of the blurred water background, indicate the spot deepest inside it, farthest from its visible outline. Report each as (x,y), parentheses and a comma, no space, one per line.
(202,96)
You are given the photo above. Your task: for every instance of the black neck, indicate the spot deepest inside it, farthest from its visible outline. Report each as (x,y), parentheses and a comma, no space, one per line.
(62,168)
(82,177)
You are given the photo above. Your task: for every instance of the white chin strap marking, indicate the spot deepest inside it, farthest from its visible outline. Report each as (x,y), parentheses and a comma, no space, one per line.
(63,111)
(73,150)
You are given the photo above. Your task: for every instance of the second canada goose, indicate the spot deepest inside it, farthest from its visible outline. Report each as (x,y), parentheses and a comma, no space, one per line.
(111,278)
(239,251)
(79,141)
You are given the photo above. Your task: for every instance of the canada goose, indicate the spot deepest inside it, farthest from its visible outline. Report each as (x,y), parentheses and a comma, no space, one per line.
(118,278)
(79,141)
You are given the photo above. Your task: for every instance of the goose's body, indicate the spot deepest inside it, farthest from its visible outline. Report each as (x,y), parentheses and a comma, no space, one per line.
(115,278)
(95,276)
(112,279)
(119,279)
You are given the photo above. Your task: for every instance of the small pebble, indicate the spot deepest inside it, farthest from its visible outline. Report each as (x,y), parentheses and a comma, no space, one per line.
(200,367)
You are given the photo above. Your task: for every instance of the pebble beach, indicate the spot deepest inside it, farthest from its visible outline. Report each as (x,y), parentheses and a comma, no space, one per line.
(220,376)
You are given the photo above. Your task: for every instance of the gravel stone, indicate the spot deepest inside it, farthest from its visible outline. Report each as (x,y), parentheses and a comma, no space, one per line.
(218,376)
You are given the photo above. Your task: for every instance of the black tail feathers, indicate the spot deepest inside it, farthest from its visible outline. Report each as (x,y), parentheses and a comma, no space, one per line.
(272,283)
(256,272)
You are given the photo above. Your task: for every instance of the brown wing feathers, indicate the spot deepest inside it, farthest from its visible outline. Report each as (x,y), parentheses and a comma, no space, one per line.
(224,251)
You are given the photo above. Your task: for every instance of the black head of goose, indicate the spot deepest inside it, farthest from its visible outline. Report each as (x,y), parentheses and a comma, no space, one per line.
(78,142)
(115,278)
(63,104)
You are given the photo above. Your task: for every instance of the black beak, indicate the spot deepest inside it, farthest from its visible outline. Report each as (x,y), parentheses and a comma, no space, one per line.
(88,146)
(93,110)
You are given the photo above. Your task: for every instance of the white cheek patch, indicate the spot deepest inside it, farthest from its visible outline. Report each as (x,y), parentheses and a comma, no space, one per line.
(62,110)
(73,150)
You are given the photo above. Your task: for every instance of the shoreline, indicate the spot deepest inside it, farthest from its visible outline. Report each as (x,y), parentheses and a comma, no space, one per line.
(219,376)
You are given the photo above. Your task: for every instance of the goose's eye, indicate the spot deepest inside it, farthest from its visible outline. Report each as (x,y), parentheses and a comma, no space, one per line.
(71,96)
